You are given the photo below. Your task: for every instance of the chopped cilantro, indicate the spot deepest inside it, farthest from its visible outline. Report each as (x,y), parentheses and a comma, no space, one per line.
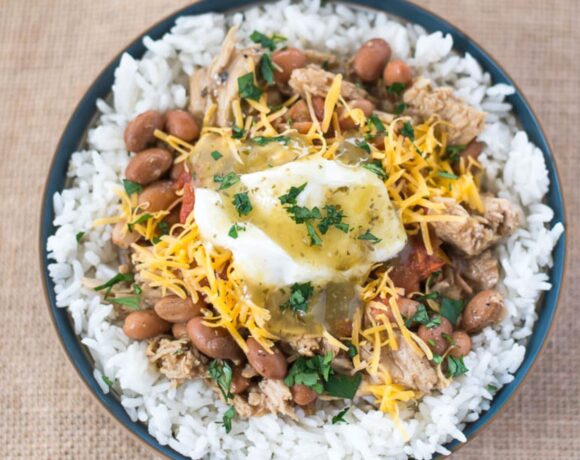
(261,140)
(216,155)
(234,229)
(396,88)
(448,338)
(408,131)
(237,132)
(333,218)
(163,227)
(79,236)
(377,168)
(431,296)
(377,123)
(311,372)
(314,237)
(137,289)
(362,144)
(491,388)
(452,152)
(432,278)
(242,203)
(343,386)
(447,175)
(134,303)
(451,309)
(352,351)
(267,68)
(339,418)
(265,41)
(142,218)
(433,322)
(421,316)
(300,293)
(455,366)
(368,236)
(301,214)
(118,278)
(131,187)
(228,417)
(400,108)
(226,181)
(247,89)
(107,380)
(290,197)
(437,359)
(221,373)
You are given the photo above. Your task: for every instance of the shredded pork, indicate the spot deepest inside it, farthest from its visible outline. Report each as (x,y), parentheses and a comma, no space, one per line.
(176,359)
(316,82)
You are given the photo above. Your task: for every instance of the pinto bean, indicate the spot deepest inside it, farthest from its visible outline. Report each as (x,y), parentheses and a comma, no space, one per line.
(287,60)
(318,106)
(144,324)
(174,309)
(302,126)
(407,308)
(215,342)
(434,338)
(462,344)
(298,112)
(485,309)
(398,72)
(371,58)
(344,119)
(182,124)
(179,331)
(160,195)
(239,382)
(473,150)
(302,395)
(268,365)
(149,165)
(122,237)
(139,131)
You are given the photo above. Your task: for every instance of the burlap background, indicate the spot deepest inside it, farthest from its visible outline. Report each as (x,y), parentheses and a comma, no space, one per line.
(50,51)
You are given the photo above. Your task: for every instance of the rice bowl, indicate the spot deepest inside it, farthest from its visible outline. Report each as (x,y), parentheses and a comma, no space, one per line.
(148,398)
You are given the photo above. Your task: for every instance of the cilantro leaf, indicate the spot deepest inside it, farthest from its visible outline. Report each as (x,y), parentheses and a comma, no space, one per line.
(314,238)
(400,108)
(333,218)
(377,168)
(134,303)
(447,175)
(491,388)
(407,131)
(339,418)
(377,123)
(267,68)
(455,366)
(265,41)
(437,359)
(300,293)
(79,236)
(262,140)
(131,187)
(234,229)
(352,351)
(311,372)
(396,88)
(142,218)
(343,386)
(451,309)
(301,214)
(216,155)
(247,89)
(362,144)
(433,322)
(452,152)
(107,380)
(228,417)
(163,227)
(448,338)
(118,278)
(290,197)
(421,316)
(368,236)
(237,132)
(242,203)
(221,373)
(226,181)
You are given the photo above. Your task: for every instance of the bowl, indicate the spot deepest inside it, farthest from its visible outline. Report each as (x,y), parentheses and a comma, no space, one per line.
(85,111)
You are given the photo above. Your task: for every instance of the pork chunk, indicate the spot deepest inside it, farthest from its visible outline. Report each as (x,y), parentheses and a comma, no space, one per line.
(175,359)
(424,101)
(476,233)
(481,272)
(316,82)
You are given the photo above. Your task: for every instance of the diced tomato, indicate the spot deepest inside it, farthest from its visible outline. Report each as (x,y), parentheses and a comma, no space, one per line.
(188,202)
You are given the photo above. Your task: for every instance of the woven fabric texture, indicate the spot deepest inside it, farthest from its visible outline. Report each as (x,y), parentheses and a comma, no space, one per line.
(49,54)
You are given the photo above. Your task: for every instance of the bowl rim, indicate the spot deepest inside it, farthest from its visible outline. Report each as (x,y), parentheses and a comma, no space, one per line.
(403,9)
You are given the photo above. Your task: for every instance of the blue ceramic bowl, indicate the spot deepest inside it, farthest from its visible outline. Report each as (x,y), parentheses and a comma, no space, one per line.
(82,116)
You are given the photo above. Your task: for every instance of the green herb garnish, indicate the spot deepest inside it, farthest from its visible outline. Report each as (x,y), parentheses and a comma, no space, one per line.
(396,88)
(216,155)
(339,418)
(377,123)
(131,187)
(451,309)
(311,372)
(221,373)
(343,386)
(368,236)
(267,68)
(107,380)
(455,366)
(300,293)
(247,89)
(137,289)
(400,108)
(242,203)
(228,417)
(226,181)
(301,214)
(448,338)
(237,132)
(447,175)
(437,359)
(134,303)
(433,322)
(118,278)
(163,227)
(452,152)
(407,131)
(234,229)
(315,240)
(491,388)
(261,140)
(333,218)
(421,316)
(362,144)
(377,168)
(79,236)
(265,41)
(352,351)
(292,195)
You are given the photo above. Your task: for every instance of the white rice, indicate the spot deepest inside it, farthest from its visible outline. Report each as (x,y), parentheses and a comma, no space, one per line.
(185,418)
